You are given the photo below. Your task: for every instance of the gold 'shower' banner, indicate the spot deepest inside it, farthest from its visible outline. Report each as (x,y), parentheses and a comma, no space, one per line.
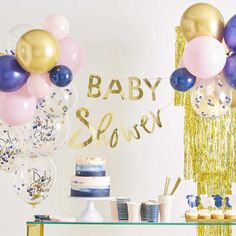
(210,149)
(103,133)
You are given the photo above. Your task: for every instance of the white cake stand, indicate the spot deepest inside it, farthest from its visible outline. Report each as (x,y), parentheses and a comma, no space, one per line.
(90,214)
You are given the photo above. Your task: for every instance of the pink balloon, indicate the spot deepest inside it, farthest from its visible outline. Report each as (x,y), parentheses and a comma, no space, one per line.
(181,63)
(17,108)
(71,54)
(204,57)
(58,25)
(39,85)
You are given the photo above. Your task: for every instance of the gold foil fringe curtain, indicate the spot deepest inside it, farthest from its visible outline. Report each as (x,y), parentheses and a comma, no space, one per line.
(209,149)
(179,50)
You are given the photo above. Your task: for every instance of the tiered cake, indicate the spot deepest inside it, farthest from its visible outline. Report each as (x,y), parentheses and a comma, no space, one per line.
(90,178)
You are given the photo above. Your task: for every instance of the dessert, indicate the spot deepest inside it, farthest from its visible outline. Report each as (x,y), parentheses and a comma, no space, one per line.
(90,166)
(204,214)
(191,214)
(230,214)
(217,214)
(90,186)
(90,179)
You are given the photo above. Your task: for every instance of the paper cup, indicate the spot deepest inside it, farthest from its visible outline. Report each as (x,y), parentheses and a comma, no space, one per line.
(133,211)
(122,208)
(114,210)
(152,211)
(165,207)
(143,211)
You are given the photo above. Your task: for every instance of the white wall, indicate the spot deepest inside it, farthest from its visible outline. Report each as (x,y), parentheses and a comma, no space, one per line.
(120,38)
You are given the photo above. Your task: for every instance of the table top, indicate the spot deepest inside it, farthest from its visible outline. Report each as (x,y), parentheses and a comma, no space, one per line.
(174,223)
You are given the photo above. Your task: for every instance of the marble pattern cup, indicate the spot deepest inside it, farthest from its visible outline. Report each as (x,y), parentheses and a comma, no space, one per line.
(165,207)
(133,211)
(114,210)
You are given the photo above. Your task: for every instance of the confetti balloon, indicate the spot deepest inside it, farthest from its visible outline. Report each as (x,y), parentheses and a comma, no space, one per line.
(12,145)
(213,100)
(34,178)
(16,32)
(59,102)
(9,44)
(204,82)
(47,133)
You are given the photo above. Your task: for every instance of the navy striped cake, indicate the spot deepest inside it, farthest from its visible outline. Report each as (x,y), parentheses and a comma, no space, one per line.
(90,178)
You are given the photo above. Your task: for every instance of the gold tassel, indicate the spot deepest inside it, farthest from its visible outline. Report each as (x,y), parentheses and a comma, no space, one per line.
(209,149)
(179,49)
(233,105)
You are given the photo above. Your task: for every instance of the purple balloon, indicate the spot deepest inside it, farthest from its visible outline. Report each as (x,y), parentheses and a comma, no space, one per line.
(230,33)
(12,75)
(230,70)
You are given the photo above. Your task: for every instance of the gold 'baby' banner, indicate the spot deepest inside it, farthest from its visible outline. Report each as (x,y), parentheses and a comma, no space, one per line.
(210,149)
(114,87)
(102,132)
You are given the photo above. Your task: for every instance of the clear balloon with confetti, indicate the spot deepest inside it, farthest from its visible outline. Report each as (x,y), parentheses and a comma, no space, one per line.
(46,133)
(12,145)
(213,100)
(59,101)
(34,179)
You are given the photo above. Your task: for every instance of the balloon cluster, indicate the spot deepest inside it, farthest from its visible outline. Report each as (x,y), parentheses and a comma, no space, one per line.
(36,93)
(207,67)
(39,59)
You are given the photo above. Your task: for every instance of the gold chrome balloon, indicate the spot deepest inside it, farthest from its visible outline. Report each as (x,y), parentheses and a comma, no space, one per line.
(37,51)
(202,19)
